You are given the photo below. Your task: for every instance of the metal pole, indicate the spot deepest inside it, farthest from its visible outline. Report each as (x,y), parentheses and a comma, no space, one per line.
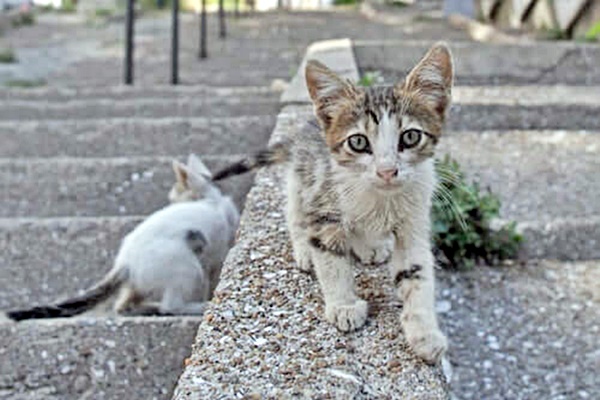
(129,18)
(175,44)
(203,52)
(236,9)
(222,30)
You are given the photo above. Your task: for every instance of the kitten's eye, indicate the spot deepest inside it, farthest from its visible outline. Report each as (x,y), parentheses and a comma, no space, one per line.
(409,139)
(359,143)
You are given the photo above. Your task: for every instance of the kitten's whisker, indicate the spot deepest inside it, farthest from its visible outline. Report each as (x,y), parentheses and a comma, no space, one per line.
(442,191)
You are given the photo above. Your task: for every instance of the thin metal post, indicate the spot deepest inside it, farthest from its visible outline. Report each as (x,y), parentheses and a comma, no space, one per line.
(129,19)
(236,9)
(203,53)
(175,44)
(222,29)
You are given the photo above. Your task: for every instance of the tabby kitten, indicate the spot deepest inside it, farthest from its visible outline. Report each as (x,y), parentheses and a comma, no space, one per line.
(359,190)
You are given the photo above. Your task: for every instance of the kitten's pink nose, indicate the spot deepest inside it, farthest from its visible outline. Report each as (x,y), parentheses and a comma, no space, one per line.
(387,174)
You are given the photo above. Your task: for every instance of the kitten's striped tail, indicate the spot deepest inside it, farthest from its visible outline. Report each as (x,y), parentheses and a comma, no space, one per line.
(275,154)
(76,305)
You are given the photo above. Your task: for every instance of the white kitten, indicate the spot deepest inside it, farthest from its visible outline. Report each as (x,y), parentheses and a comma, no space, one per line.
(173,257)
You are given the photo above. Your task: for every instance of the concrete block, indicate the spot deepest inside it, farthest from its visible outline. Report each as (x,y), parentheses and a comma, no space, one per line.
(335,54)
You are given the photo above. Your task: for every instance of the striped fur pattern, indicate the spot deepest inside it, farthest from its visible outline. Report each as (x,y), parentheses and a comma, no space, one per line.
(359,188)
(171,262)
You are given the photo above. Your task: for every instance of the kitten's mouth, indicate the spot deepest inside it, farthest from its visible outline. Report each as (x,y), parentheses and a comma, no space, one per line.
(387,186)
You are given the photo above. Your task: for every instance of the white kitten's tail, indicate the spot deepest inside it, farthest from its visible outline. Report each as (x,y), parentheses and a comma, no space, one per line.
(78,304)
(275,154)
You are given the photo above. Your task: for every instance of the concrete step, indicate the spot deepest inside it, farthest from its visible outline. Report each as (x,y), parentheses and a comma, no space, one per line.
(547,181)
(156,107)
(47,259)
(534,107)
(540,175)
(119,137)
(93,358)
(66,93)
(96,186)
(529,63)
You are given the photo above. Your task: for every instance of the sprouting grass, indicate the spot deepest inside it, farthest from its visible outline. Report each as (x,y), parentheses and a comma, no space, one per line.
(370,78)
(7,56)
(397,3)
(103,12)
(593,34)
(68,7)
(25,83)
(462,214)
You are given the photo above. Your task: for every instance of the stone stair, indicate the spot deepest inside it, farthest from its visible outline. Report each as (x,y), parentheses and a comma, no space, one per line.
(80,168)
(81,165)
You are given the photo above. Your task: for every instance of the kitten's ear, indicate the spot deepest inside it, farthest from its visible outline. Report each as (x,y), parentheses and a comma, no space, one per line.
(197,166)
(431,79)
(329,92)
(181,173)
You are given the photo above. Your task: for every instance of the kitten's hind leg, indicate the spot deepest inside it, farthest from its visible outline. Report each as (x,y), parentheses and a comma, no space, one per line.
(127,299)
(298,234)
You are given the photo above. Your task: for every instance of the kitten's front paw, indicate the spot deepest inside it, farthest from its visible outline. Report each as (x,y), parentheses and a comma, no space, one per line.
(347,317)
(429,345)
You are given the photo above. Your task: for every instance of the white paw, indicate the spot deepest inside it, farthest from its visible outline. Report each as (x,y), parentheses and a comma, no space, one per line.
(303,258)
(429,345)
(347,317)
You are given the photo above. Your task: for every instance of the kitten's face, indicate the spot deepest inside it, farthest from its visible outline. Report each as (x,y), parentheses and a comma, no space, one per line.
(382,135)
(384,138)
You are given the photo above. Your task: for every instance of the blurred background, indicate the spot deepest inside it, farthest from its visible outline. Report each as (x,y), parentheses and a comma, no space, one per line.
(97,98)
